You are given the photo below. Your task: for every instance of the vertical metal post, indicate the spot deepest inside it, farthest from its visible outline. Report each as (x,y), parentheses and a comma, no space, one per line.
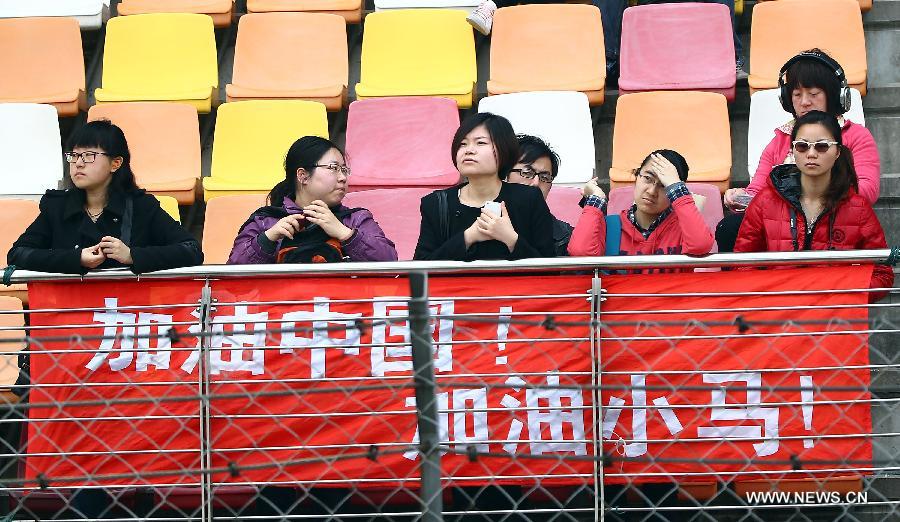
(206,311)
(597,396)
(426,398)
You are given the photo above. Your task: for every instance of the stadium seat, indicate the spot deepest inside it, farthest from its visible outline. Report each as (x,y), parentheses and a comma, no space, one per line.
(766,114)
(563,203)
(350,10)
(562,119)
(418,52)
(864,5)
(835,26)
(695,124)
(42,62)
(164,140)
(31,149)
(467,5)
(548,47)
(90,14)
(402,142)
(251,140)
(687,46)
(397,211)
(160,57)
(221,11)
(224,217)
(291,56)
(170,205)
(17,215)
(15,339)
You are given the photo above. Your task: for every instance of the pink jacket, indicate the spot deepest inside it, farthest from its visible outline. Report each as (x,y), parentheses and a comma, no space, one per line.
(856,138)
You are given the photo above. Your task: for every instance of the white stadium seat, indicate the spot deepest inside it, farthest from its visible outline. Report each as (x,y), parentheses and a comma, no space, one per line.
(31,149)
(90,13)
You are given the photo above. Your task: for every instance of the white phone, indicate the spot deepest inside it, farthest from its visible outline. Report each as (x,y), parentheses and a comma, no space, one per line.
(493,207)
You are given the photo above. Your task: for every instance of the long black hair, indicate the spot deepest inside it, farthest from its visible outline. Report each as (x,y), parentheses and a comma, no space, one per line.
(502,136)
(109,138)
(304,153)
(843,174)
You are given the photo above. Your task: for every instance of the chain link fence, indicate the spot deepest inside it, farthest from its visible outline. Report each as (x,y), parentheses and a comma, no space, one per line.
(548,395)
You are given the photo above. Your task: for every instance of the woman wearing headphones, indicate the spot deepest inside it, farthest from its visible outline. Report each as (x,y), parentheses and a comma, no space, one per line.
(810,81)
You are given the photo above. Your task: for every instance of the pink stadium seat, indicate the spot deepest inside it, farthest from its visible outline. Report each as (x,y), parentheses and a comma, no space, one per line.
(623,197)
(397,211)
(685,46)
(401,142)
(563,203)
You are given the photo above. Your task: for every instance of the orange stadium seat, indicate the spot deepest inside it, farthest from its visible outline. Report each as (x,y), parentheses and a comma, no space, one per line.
(42,62)
(17,215)
(224,216)
(11,316)
(350,10)
(291,56)
(686,46)
(693,123)
(864,5)
(221,11)
(835,26)
(397,212)
(164,140)
(401,142)
(548,47)
(160,57)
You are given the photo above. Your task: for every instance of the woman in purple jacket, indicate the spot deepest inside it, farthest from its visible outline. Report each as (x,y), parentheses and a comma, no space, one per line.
(315,182)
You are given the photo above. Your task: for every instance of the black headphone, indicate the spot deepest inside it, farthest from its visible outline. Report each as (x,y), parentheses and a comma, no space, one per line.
(844,99)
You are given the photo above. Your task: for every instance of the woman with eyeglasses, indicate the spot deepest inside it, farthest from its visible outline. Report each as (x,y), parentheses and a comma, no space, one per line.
(664,218)
(485,217)
(815,204)
(102,220)
(304,221)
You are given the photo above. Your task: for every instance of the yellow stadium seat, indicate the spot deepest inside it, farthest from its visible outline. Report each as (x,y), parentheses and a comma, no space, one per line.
(17,215)
(835,26)
(170,205)
(350,10)
(42,62)
(251,140)
(291,56)
(224,216)
(160,57)
(221,11)
(11,318)
(864,5)
(418,52)
(695,124)
(154,127)
(552,47)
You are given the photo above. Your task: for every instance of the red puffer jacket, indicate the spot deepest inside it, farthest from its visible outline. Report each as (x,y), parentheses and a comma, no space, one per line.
(774,222)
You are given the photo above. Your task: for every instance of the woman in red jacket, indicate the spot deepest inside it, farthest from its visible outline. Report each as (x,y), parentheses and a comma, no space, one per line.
(814,204)
(664,218)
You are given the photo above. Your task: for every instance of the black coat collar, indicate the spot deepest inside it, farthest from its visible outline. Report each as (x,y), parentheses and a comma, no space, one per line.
(75,203)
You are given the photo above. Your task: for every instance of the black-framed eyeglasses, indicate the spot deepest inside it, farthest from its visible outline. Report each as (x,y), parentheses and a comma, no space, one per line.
(820,146)
(87,156)
(530,173)
(335,168)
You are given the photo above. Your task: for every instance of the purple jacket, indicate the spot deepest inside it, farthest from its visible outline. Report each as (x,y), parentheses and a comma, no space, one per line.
(368,242)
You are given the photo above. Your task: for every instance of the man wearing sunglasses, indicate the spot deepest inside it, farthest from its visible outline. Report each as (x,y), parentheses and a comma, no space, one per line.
(538,166)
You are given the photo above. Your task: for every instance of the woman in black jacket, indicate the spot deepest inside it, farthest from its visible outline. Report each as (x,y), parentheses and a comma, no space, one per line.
(485,218)
(103,220)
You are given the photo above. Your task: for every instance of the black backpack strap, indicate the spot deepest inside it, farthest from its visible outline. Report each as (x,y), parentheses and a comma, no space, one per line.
(127,219)
(443,214)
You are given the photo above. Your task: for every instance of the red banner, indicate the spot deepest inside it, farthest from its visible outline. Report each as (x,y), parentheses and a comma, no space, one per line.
(310,379)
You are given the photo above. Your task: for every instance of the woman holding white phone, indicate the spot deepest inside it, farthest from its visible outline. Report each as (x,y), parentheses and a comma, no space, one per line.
(485,217)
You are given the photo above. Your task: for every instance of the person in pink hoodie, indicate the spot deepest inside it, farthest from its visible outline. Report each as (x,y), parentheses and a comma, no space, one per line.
(664,218)
(811,84)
